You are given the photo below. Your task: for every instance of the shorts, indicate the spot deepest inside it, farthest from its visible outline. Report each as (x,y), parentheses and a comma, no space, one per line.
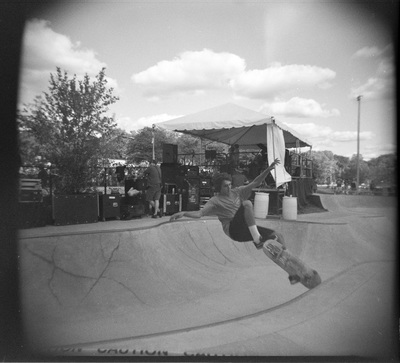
(153,194)
(239,231)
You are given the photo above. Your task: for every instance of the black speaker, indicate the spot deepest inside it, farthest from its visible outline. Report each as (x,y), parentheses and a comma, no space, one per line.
(171,174)
(170,153)
(211,154)
(75,209)
(129,211)
(192,194)
(109,206)
(170,203)
(31,214)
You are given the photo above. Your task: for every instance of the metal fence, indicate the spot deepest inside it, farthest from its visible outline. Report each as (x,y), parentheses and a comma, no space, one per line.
(105,178)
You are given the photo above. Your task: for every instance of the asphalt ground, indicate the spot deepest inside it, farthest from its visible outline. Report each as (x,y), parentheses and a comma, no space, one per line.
(153,288)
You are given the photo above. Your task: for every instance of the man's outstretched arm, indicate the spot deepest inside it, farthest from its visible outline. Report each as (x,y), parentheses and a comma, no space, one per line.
(259,179)
(192,214)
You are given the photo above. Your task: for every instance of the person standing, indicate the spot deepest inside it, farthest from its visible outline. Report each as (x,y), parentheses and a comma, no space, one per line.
(43,176)
(153,191)
(238,178)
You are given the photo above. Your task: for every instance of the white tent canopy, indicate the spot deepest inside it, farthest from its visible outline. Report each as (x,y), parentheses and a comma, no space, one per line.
(232,124)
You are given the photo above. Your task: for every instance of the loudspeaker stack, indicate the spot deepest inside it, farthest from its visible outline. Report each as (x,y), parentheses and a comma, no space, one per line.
(170,154)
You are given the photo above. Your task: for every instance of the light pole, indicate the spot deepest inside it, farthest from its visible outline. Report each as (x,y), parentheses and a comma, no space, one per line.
(153,142)
(358,144)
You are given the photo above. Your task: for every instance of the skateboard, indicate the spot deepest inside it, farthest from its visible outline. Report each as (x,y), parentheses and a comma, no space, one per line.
(291,264)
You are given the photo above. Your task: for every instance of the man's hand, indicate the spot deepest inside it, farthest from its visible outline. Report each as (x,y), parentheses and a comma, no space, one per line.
(260,178)
(275,162)
(176,216)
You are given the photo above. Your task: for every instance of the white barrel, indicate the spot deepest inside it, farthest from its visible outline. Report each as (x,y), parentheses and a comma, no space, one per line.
(289,208)
(261,205)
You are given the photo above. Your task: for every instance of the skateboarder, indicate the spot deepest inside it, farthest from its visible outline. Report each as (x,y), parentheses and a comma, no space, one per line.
(235,211)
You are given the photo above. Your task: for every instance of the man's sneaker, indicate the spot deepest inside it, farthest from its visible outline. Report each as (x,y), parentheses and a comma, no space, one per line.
(294,279)
(260,244)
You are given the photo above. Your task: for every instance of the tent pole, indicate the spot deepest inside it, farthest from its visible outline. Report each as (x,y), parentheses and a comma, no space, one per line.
(201,148)
(273,144)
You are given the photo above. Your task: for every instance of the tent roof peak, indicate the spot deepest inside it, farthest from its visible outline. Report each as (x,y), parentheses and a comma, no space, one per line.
(230,124)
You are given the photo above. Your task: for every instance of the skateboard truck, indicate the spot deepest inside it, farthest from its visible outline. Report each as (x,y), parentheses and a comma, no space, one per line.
(298,271)
(294,279)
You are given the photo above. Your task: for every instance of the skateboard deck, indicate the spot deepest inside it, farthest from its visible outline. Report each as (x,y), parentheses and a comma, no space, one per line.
(291,264)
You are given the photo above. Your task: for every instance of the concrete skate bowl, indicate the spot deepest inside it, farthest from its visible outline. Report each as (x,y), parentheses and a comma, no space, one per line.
(184,288)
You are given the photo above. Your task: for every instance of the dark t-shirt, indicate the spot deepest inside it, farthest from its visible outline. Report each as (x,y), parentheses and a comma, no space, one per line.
(153,174)
(225,207)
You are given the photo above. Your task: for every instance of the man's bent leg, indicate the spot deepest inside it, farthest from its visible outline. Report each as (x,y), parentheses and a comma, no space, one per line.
(259,238)
(248,213)
(243,227)
(238,228)
(250,220)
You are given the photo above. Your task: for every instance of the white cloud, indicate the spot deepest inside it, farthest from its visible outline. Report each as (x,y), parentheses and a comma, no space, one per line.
(125,123)
(324,136)
(199,71)
(128,125)
(192,71)
(373,150)
(373,51)
(278,79)
(298,107)
(367,52)
(311,130)
(344,136)
(382,83)
(44,50)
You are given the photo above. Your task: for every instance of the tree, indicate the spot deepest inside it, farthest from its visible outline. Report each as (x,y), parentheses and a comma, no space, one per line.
(187,144)
(141,147)
(29,148)
(115,145)
(324,165)
(383,169)
(69,124)
(342,163)
(350,172)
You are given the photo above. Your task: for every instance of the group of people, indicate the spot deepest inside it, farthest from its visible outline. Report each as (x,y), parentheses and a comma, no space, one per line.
(344,186)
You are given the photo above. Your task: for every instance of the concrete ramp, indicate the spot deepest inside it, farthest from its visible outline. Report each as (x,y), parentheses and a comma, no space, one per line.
(184,288)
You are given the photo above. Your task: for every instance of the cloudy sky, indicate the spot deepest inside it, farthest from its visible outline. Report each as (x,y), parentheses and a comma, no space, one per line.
(304,62)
